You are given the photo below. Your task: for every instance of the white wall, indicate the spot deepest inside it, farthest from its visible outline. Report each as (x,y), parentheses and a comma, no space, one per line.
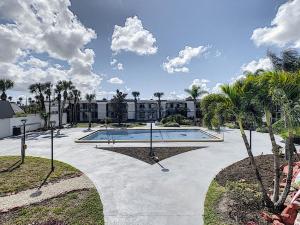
(4,128)
(131,110)
(33,122)
(102,110)
(191,108)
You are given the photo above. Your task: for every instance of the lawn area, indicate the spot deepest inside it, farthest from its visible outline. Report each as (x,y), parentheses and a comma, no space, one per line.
(30,174)
(214,193)
(75,208)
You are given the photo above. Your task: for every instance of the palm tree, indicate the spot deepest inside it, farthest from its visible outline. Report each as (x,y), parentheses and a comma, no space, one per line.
(38,89)
(260,84)
(76,94)
(58,89)
(159,95)
(5,84)
(70,106)
(286,93)
(20,100)
(48,93)
(239,101)
(119,105)
(66,86)
(135,94)
(90,98)
(195,92)
(289,60)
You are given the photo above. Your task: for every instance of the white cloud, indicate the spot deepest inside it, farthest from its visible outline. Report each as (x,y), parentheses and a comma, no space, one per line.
(115,80)
(218,53)
(175,95)
(217,88)
(263,63)
(200,83)
(35,62)
(48,27)
(117,65)
(133,38)
(178,64)
(238,77)
(120,66)
(284,29)
(113,62)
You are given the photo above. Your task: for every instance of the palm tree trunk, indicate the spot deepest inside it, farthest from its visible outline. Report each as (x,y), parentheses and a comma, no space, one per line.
(289,152)
(90,116)
(275,150)
(135,109)
(59,113)
(265,196)
(159,108)
(195,113)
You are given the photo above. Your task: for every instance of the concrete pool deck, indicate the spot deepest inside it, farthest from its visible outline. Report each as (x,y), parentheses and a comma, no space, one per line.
(136,193)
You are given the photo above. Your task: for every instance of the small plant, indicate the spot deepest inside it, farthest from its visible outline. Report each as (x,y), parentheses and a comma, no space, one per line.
(171,124)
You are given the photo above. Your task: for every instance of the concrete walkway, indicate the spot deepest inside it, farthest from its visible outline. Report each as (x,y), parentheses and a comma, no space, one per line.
(51,190)
(136,193)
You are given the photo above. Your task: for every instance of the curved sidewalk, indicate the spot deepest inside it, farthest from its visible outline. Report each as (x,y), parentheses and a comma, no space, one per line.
(48,191)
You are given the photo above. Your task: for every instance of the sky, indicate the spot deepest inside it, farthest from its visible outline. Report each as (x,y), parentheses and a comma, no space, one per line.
(139,45)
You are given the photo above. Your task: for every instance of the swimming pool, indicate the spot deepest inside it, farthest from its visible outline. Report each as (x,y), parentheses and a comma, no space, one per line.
(143,135)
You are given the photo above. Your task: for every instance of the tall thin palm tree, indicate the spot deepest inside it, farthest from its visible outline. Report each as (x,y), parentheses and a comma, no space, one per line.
(159,96)
(238,102)
(48,93)
(58,90)
(5,84)
(38,89)
(90,98)
(135,94)
(70,106)
(76,94)
(20,100)
(195,92)
(66,86)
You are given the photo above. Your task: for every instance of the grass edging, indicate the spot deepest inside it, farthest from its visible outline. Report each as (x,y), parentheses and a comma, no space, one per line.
(214,193)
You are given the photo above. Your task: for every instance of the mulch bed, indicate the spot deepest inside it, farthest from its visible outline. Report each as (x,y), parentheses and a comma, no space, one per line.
(142,153)
(242,170)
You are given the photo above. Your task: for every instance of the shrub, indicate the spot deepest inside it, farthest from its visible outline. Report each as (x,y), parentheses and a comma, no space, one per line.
(171,124)
(262,129)
(178,118)
(232,125)
(278,127)
(20,114)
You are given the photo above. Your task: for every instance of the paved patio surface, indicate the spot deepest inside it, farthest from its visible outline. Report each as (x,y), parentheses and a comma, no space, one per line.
(136,193)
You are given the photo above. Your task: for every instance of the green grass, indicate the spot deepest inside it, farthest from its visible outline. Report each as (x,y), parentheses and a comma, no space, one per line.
(75,208)
(213,195)
(85,125)
(30,174)
(127,125)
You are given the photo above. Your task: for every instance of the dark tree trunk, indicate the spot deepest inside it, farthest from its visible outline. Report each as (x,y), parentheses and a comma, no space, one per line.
(265,196)
(289,153)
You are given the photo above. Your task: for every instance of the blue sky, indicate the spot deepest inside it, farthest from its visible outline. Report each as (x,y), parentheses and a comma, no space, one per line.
(224,28)
(226,25)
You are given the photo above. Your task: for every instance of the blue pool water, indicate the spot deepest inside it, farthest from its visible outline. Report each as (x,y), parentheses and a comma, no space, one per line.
(144,135)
